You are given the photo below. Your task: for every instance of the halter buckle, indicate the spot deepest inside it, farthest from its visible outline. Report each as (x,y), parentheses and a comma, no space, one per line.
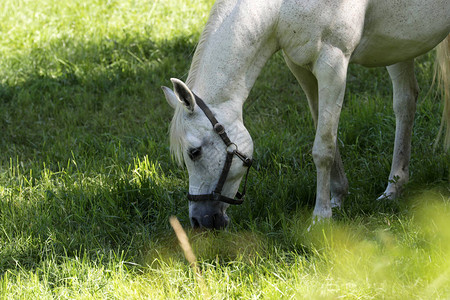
(219,129)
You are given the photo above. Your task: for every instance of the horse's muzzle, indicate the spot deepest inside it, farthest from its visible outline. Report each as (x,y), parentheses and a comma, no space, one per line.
(213,221)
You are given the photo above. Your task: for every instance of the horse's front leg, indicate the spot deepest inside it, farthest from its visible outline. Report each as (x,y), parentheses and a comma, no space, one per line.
(308,82)
(330,71)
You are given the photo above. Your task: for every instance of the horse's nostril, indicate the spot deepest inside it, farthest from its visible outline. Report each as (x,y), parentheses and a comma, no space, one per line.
(195,223)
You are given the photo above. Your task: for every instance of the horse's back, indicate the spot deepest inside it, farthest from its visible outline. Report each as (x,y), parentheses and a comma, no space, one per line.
(397,30)
(373,32)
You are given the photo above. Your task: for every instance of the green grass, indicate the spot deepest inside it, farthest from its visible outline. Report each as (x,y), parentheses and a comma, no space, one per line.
(87,183)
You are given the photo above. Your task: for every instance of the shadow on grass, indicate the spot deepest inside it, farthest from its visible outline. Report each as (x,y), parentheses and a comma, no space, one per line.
(64,99)
(84,148)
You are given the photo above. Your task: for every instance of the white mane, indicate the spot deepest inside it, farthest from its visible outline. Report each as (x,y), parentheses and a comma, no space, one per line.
(177,126)
(177,135)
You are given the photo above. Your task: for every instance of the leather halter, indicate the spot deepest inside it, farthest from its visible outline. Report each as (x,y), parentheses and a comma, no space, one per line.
(247,161)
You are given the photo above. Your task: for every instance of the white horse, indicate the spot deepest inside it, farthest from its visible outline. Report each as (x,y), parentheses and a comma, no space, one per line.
(319,39)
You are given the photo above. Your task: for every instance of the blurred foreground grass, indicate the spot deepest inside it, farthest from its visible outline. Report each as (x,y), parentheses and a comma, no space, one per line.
(389,257)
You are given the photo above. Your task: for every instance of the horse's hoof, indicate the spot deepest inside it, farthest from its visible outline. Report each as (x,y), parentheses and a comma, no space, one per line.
(387,196)
(319,222)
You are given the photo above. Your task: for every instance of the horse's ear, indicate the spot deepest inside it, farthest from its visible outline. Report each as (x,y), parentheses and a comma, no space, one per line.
(183,94)
(171,97)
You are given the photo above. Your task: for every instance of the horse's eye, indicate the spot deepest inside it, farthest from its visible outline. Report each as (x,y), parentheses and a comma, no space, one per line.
(194,153)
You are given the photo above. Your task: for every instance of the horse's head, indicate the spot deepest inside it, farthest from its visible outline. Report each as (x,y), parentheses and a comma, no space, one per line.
(215,146)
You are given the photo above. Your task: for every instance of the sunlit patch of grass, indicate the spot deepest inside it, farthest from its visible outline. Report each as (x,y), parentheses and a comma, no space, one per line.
(404,257)
(388,257)
(216,248)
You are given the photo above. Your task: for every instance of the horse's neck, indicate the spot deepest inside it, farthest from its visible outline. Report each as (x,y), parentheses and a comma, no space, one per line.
(234,51)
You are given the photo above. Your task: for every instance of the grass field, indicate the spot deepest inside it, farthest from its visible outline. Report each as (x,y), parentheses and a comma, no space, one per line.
(87,184)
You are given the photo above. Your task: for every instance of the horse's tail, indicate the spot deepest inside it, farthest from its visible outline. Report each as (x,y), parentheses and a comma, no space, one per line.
(442,74)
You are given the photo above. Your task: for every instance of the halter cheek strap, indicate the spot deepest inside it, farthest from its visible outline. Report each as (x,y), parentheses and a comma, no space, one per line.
(216,195)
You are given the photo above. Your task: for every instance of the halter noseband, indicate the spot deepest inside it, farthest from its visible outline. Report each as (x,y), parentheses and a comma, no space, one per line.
(247,161)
